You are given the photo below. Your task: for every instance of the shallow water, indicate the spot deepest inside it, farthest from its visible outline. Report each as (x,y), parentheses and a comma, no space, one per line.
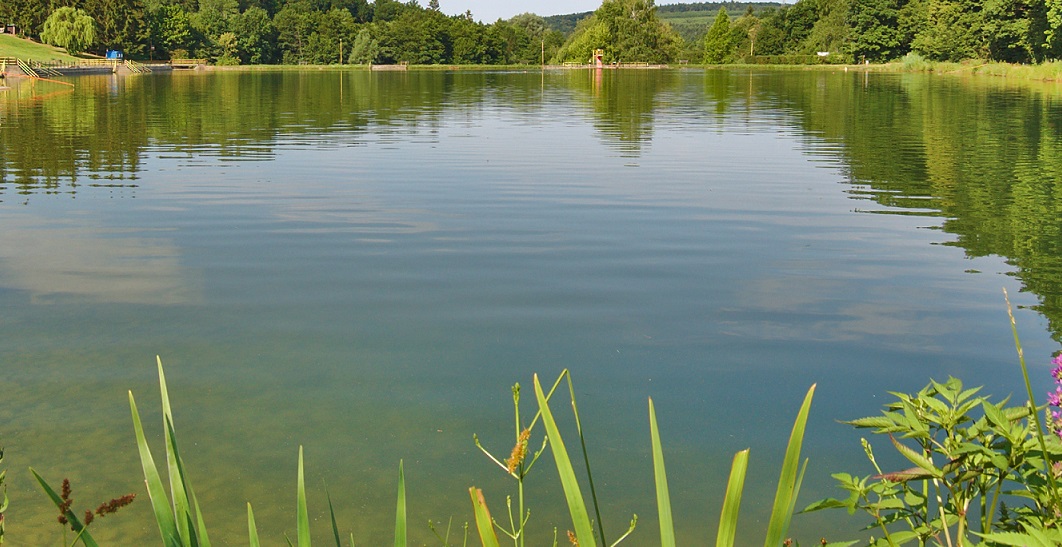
(364,263)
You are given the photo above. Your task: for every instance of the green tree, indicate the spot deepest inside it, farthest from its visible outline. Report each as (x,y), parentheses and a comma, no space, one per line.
(170,28)
(120,24)
(256,37)
(875,30)
(365,48)
(944,30)
(295,23)
(627,30)
(1007,31)
(69,28)
(717,43)
(1053,33)
(27,15)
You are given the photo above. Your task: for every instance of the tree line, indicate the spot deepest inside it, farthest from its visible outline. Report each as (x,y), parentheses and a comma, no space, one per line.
(389,31)
(292,31)
(1016,31)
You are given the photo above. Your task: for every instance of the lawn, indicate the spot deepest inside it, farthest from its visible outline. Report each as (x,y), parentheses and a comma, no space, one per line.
(28,50)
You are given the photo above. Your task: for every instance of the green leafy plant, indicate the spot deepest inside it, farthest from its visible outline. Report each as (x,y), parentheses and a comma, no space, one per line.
(971,458)
(969,455)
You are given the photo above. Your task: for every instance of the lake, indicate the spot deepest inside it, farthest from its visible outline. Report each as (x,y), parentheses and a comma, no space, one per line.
(364,264)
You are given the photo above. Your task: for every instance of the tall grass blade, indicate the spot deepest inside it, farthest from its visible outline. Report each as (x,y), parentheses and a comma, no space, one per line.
(332,515)
(252,530)
(75,524)
(735,485)
(663,498)
(584,530)
(177,487)
(1032,403)
(303,516)
(204,540)
(194,534)
(400,511)
(785,497)
(484,524)
(156,492)
(586,458)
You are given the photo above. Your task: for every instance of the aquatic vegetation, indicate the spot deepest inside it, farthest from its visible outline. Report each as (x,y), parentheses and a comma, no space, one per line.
(981,469)
(585,533)
(63,501)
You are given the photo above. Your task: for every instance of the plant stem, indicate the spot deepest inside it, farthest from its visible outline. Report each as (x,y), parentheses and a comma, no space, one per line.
(1032,403)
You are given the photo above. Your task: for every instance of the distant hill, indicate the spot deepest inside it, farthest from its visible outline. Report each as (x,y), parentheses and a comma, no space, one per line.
(566,23)
(690,20)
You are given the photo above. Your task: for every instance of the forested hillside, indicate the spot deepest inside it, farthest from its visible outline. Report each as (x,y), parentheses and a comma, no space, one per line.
(389,31)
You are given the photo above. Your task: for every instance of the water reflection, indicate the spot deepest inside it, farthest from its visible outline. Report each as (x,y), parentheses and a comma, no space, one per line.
(984,157)
(57,261)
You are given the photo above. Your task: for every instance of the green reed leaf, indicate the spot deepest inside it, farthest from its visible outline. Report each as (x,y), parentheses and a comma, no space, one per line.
(663,498)
(303,516)
(484,524)
(735,485)
(400,511)
(584,531)
(156,492)
(177,489)
(252,530)
(332,515)
(788,480)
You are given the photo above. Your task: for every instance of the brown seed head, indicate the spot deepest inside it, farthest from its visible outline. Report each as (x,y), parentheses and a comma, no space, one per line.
(572,539)
(88,517)
(114,505)
(66,490)
(519,453)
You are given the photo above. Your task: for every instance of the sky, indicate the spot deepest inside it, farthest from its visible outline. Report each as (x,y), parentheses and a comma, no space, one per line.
(489,11)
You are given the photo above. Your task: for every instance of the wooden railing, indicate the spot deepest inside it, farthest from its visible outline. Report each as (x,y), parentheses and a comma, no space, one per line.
(187,62)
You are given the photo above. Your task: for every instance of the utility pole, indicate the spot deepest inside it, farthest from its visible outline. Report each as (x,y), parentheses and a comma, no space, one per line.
(340,51)
(543,61)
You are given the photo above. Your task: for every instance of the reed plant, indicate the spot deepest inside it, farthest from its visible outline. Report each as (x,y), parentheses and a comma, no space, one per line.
(584,532)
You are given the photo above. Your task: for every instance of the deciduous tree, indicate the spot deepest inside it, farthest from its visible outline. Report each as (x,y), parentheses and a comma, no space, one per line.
(69,28)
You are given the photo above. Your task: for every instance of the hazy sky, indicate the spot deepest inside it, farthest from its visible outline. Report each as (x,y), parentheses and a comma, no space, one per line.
(489,11)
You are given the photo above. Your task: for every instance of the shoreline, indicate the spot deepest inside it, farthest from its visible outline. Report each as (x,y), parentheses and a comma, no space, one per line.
(1046,73)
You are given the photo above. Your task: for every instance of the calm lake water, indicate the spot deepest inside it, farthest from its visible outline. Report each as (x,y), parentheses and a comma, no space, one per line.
(364,263)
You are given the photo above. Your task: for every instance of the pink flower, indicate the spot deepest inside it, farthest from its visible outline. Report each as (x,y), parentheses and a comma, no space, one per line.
(1055,397)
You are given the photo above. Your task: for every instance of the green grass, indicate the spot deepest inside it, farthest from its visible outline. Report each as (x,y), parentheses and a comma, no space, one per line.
(28,50)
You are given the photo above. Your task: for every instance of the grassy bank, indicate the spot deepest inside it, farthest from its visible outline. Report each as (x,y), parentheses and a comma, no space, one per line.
(28,50)
(1045,72)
